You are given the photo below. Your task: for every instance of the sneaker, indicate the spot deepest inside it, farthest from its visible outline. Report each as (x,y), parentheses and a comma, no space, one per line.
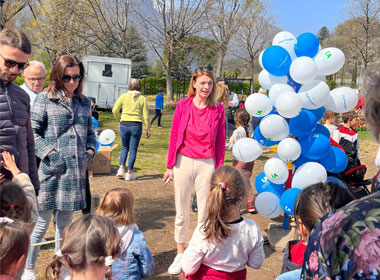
(251,208)
(194,204)
(130,177)
(160,126)
(29,274)
(176,267)
(120,172)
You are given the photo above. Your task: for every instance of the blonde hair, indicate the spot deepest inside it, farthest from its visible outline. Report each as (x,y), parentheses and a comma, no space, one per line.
(328,115)
(211,100)
(87,241)
(118,206)
(134,84)
(222,95)
(227,190)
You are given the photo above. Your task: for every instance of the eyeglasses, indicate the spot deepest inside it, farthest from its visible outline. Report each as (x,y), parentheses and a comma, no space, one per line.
(68,78)
(11,63)
(203,68)
(36,79)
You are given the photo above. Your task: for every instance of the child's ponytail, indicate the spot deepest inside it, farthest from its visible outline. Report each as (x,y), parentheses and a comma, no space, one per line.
(243,118)
(54,268)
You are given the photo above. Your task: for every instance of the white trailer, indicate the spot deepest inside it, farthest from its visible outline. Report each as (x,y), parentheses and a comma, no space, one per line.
(106,78)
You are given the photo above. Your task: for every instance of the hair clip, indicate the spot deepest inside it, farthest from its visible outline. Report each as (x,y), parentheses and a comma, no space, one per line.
(108,261)
(6,220)
(59,253)
(223,185)
(12,206)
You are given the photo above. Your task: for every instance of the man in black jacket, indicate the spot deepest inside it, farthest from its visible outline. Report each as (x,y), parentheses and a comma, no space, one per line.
(16,135)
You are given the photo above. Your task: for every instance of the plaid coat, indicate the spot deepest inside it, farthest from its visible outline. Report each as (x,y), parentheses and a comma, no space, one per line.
(69,131)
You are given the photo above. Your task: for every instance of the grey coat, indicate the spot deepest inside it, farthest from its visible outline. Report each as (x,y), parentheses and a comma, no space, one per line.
(16,135)
(69,131)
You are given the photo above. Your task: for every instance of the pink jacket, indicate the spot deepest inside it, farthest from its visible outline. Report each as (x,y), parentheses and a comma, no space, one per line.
(180,120)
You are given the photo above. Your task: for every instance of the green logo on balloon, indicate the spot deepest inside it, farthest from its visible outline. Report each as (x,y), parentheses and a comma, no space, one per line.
(259,112)
(274,176)
(328,54)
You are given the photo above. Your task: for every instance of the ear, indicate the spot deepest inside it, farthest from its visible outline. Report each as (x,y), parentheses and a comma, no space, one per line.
(303,231)
(20,263)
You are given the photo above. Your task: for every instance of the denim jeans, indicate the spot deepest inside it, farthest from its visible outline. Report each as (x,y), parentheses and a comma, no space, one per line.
(290,275)
(61,220)
(130,139)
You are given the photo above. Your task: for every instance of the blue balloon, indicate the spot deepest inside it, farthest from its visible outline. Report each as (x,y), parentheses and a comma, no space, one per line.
(262,184)
(288,199)
(293,84)
(257,135)
(334,179)
(303,125)
(95,122)
(276,60)
(321,129)
(301,160)
(97,145)
(315,146)
(318,112)
(335,161)
(307,45)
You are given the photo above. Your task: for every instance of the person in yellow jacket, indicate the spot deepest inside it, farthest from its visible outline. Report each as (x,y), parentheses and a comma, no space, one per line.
(131,111)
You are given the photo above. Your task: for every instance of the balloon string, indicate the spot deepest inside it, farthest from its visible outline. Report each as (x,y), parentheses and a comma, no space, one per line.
(291,83)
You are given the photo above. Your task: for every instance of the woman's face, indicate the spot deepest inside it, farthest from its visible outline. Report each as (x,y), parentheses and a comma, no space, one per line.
(203,86)
(71,80)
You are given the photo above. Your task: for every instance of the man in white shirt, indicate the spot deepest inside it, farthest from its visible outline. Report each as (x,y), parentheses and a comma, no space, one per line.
(34,77)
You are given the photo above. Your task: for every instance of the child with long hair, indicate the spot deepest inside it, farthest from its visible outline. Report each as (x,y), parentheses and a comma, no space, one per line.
(135,260)
(14,243)
(88,249)
(312,203)
(225,243)
(242,119)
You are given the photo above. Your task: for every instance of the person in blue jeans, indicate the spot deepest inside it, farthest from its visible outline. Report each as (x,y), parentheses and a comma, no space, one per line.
(159,107)
(131,111)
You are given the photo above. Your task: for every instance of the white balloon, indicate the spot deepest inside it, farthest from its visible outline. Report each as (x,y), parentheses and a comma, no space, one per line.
(276,170)
(268,205)
(107,137)
(261,59)
(342,100)
(329,61)
(289,104)
(266,80)
(309,173)
(258,105)
(286,40)
(314,94)
(274,127)
(320,78)
(303,70)
(246,150)
(276,90)
(289,149)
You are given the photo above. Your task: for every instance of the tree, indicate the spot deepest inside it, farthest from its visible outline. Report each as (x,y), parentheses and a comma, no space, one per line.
(323,34)
(11,9)
(165,23)
(224,19)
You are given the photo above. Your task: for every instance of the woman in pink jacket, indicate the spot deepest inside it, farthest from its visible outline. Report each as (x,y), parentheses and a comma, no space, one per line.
(196,150)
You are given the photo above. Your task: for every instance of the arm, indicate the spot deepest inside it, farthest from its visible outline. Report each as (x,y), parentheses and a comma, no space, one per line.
(145,113)
(33,171)
(91,137)
(193,255)
(117,107)
(173,137)
(145,259)
(256,257)
(220,138)
(161,102)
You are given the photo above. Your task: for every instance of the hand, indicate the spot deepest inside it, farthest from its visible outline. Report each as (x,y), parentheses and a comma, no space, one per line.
(52,152)
(90,151)
(168,174)
(9,163)
(148,133)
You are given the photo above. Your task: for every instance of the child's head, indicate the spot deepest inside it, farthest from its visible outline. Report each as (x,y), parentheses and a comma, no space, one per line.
(242,117)
(330,117)
(14,243)
(13,202)
(316,201)
(161,90)
(349,118)
(89,242)
(226,193)
(118,206)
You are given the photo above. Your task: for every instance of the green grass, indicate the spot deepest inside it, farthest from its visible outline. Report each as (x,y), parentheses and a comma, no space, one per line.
(365,135)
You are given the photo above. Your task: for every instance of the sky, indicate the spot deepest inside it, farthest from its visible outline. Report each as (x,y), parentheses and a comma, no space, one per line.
(299,16)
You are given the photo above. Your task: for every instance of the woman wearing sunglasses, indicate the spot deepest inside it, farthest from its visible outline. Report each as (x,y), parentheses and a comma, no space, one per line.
(65,142)
(196,149)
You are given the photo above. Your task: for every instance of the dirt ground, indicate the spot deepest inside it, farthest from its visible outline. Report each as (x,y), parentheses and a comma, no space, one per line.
(154,211)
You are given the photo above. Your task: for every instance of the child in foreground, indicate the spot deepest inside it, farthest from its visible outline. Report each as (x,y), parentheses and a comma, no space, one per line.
(225,243)
(135,260)
(88,249)
(312,203)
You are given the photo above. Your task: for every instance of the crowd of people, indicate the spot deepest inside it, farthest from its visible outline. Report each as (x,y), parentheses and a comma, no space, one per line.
(47,138)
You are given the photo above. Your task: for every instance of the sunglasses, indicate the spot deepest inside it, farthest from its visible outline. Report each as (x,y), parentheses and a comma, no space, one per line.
(203,68)
(68,78)
(11,63)
(36,79)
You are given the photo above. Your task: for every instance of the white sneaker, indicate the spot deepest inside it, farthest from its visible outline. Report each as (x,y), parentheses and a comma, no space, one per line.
(130,177)
(176,267)
(120,172)
(29,274)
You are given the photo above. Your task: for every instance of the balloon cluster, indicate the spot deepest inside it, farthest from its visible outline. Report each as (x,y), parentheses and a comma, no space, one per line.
(294,72)
(106,138)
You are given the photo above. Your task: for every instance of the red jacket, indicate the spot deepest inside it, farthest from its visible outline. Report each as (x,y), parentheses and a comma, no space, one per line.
(180,121)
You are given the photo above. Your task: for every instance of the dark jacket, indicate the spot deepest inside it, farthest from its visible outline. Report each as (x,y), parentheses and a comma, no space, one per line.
(287,264)
(16,135)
